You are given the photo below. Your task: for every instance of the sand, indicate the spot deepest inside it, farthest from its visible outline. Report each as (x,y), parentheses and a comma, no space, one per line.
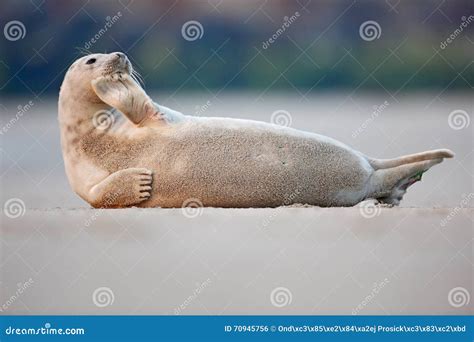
(416,259)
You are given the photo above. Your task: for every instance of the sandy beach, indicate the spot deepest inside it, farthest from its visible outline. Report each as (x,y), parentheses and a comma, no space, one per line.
(58,256)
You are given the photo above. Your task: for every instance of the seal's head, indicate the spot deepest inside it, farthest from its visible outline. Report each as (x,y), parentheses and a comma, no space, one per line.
(77,81)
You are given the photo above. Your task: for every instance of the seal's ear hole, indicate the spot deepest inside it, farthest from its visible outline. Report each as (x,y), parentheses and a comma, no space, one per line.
(91,61)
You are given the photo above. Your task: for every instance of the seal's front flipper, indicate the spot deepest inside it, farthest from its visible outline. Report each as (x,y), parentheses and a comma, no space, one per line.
(123,188)
(123,93)
(389,185)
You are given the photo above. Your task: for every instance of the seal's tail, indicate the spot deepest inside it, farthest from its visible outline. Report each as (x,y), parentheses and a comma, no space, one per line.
(392,177)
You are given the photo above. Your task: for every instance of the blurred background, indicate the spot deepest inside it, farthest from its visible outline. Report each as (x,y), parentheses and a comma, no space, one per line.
(386,77)
(319,46)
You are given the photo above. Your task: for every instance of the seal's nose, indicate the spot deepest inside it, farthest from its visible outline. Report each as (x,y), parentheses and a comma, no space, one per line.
(121,55)
(120,60)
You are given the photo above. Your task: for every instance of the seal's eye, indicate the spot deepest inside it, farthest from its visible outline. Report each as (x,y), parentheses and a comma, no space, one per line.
(91,61)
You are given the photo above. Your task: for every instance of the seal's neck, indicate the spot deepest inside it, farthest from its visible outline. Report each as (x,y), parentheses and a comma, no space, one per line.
(79,112)
(76,120)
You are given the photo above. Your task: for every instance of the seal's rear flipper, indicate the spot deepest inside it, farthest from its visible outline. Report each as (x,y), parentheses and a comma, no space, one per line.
(378,164)
(389,185)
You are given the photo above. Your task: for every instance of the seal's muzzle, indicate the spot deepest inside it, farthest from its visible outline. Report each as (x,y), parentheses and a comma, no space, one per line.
(118,62)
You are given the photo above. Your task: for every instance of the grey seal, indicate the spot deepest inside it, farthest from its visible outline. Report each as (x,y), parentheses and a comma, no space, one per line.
(158,157)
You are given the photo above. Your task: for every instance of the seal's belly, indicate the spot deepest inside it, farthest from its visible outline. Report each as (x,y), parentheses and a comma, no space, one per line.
(238,167)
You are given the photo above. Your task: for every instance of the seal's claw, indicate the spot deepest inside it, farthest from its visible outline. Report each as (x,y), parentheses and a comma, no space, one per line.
(143,178)
(118,76)
(144,195)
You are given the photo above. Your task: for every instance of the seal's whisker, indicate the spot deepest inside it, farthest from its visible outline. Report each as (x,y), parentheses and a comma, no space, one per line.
(138,78)
(138,75)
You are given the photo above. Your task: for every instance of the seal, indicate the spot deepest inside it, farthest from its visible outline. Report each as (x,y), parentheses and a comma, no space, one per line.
(152,156)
